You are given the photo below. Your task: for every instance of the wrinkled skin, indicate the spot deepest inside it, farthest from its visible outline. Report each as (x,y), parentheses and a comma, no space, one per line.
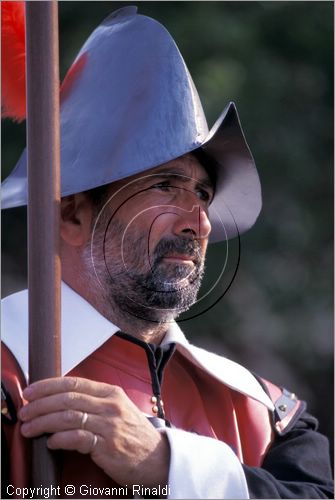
(133,449)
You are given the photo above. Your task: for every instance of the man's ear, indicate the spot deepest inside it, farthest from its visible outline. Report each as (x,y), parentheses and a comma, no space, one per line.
(76,219)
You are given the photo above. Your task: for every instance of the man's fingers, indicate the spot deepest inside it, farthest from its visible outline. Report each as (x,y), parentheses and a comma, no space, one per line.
(68,401)
(79,440)
(54,422)
(57,385)
(64,421)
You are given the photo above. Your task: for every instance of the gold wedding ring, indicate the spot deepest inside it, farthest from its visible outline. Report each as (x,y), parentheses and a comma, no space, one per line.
(83,420)
(95,440)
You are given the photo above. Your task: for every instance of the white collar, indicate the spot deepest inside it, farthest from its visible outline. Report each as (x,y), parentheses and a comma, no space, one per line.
(84,330)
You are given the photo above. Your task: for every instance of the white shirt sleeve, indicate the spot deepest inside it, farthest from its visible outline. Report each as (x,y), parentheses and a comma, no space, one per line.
(202,467)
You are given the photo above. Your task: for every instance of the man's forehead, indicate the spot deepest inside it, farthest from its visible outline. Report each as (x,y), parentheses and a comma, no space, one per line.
(187,165)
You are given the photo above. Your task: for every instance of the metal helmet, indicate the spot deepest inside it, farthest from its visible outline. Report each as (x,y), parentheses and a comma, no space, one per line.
(128,104)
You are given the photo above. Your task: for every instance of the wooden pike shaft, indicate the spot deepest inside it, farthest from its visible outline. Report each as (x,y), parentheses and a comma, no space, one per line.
(44,271)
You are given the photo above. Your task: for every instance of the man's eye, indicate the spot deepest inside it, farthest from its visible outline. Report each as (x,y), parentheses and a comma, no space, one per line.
(203,195)
(163,186)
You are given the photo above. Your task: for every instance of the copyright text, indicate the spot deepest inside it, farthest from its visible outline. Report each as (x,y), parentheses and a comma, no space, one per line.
(87,490)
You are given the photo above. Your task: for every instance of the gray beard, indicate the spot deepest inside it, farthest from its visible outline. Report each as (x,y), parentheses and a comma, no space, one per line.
(159,294)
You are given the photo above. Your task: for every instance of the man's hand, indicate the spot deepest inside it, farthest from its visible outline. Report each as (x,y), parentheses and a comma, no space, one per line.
(75,410)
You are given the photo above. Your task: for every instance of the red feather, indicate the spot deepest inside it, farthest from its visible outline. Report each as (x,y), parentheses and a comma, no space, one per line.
(13,60)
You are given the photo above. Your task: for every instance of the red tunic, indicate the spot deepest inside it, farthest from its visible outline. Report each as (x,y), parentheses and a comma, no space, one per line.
(193,401)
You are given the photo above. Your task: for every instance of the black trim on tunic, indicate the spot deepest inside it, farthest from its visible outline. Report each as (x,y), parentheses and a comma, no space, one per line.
(158,357)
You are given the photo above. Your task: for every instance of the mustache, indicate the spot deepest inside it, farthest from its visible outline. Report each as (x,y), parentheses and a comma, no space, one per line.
(183,246)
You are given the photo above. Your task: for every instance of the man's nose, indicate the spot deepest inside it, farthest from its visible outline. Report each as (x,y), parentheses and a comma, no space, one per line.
(193,222)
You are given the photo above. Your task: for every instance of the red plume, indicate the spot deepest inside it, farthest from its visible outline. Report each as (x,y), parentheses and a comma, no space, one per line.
(13,61)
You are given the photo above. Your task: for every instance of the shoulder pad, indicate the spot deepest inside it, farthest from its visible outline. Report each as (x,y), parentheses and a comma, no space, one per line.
(288,408)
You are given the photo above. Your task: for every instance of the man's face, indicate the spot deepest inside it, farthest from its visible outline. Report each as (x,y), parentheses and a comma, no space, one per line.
(149,240)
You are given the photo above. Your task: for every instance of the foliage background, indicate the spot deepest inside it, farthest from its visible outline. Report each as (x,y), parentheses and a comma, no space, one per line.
(275,60)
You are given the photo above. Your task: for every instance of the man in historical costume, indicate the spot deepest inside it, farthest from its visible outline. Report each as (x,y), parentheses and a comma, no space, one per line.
(145,187)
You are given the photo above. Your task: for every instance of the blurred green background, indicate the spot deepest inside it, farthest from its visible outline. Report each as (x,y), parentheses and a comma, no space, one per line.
(275,60)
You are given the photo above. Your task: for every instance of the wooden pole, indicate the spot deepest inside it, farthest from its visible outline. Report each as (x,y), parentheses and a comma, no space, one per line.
(43,139)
